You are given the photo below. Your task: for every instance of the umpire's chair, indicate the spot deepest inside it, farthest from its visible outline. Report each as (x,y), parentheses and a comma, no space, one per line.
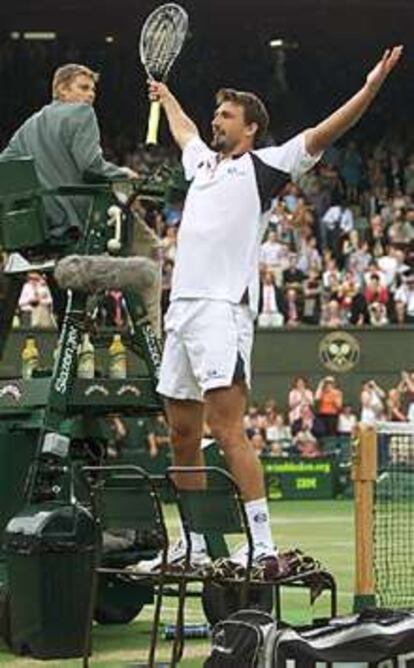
(69,404)
(24,234)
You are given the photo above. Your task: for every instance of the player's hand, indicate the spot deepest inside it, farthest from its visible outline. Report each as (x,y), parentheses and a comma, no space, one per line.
(379,73)
(129,173)
(158,92)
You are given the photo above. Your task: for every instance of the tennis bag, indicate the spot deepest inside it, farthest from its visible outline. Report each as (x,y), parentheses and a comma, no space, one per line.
(238,642)
(374,637)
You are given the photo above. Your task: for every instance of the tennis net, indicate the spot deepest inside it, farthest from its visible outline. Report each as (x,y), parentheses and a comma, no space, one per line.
(394,515)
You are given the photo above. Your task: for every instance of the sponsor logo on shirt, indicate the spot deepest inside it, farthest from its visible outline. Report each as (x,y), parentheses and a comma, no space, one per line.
(213,373)
(236,171)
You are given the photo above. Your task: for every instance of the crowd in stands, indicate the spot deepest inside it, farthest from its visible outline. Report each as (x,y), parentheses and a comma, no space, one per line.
(314,417)
(339,247)
(338,250)
(313,422)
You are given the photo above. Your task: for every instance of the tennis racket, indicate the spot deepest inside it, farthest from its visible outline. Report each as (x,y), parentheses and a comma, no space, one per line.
(161,40)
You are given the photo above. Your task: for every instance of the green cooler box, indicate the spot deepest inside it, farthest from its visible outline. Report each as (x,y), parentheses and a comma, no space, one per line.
(50,550)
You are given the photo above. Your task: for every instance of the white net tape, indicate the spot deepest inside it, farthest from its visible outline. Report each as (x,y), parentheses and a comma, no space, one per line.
(395,428)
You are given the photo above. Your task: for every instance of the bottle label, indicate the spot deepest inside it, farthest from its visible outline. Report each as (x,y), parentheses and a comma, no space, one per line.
(118,366)
(86,365)
(28,366)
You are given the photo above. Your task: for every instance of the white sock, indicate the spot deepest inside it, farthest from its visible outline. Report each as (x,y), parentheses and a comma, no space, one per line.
(198,542)
(259,522)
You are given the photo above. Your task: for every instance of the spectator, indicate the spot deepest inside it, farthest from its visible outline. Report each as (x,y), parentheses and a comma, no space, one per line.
(306,445)
(158,436)
(337,222)
(308,256)
(330,401)
(300,397)
(312,292)
(391,263)
(270,302)
(257,439)
(359,310)
(377,237)
(292,276)
(347,421)
(253,420)
(405,295)
(374,291)
(398,313)
(274,256)
(35,303)
(293,307)
(331,278)
(284,228)
(372,403)
(302,217)
(377,312)
(350,243)
(400,231)
(331,315)
(394,406)
(359,259)
(290,196)
(406,387)
(278,436)
(348,288)
(115,309)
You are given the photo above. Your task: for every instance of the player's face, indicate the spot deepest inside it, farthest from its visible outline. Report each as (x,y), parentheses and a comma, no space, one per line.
(80,89)
(230,131)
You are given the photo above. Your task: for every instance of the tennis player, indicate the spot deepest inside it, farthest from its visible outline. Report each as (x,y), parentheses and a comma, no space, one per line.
(209,324)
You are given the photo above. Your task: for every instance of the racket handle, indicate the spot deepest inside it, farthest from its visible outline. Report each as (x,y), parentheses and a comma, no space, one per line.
(153,123)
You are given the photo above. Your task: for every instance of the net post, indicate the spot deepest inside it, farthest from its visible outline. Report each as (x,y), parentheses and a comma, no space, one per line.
(364,475)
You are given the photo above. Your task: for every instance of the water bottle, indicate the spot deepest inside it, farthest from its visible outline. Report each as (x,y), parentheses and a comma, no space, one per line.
(86,358)
(189,631)
(117,358)
(30,358)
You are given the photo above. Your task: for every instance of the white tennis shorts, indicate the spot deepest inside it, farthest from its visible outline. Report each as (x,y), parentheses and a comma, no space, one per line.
(206,340)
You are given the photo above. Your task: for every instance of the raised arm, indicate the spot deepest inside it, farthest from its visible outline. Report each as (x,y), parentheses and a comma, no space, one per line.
(317,139)
(182,127)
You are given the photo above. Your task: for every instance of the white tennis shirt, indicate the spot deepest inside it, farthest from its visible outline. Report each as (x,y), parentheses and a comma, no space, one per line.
(225,216)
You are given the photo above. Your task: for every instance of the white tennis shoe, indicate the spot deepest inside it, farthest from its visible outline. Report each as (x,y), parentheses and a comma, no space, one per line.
(199,559)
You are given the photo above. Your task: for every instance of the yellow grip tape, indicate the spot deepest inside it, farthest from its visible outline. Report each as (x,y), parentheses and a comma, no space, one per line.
(153,123)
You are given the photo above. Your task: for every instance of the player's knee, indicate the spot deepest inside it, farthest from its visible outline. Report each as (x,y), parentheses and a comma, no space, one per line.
(228,437)
(184,436)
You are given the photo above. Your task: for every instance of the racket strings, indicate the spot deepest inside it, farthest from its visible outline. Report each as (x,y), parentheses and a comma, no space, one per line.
(160,51)
(161,40)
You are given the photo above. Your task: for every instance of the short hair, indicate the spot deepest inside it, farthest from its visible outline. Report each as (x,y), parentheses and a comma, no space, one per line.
(67,73)
(253,108)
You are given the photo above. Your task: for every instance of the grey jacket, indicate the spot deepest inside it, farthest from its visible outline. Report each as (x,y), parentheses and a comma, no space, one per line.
(64,141)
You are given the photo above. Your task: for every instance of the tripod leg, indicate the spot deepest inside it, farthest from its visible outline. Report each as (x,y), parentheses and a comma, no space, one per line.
(144,340)
(64,372)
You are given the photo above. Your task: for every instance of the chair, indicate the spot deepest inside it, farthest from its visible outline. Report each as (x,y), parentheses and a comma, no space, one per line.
(126,497)
(216,511)
(23,219)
